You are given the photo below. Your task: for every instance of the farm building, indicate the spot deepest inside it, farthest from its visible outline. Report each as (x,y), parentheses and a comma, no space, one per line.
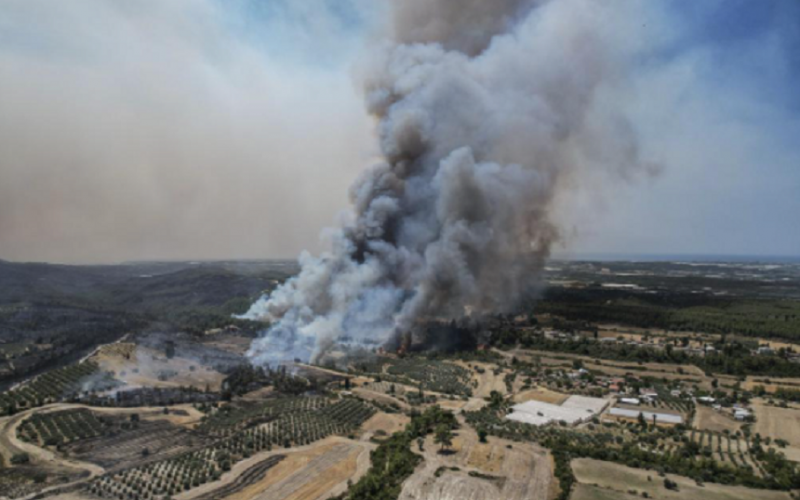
(574,409)
(661,418)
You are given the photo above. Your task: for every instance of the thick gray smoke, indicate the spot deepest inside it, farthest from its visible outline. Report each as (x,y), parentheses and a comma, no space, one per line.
(486,112)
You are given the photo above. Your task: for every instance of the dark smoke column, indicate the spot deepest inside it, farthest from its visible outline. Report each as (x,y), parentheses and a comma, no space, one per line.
(487,113)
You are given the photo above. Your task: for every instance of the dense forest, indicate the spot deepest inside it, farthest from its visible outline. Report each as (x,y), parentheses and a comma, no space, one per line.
(677,311)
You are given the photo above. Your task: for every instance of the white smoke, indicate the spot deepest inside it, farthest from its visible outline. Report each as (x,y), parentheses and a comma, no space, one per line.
(487,112)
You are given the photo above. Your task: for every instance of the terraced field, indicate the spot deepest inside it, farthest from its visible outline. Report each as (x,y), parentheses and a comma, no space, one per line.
(64,427)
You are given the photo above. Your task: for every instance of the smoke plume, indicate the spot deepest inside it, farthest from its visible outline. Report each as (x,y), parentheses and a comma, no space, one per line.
(487,112)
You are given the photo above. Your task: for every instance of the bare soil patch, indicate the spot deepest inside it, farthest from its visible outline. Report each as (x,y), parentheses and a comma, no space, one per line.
(451,404)
(500,469)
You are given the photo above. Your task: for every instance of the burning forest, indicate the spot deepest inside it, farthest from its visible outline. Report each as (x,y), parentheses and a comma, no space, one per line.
(484,125)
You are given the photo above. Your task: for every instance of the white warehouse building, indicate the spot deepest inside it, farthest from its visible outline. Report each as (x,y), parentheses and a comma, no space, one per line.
(573,410)
(661,418)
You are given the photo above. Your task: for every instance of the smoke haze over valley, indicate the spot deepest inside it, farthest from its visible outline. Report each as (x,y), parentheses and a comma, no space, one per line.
(186,129)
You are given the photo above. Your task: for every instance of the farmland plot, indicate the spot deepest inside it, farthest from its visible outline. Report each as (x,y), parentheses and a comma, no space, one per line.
(709,419)
(777,422)
(306,473)
(607,481)
(290,422)
(147,442)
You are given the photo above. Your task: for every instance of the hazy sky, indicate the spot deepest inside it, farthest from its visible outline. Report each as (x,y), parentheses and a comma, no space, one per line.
(208,129)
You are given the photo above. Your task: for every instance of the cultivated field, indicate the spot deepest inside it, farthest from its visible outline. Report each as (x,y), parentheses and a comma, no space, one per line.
(599,480)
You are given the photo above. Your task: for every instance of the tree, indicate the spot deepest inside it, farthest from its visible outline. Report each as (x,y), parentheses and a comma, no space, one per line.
(482,435)
(169,349)
(495,399)
(443,437)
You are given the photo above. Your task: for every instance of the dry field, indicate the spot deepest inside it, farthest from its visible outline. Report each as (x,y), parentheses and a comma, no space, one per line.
(541,394)
(771,384)
(313,472)
(389,423)
(710,420)
(454,405)
(521,471)
(777,422)
(608,481)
